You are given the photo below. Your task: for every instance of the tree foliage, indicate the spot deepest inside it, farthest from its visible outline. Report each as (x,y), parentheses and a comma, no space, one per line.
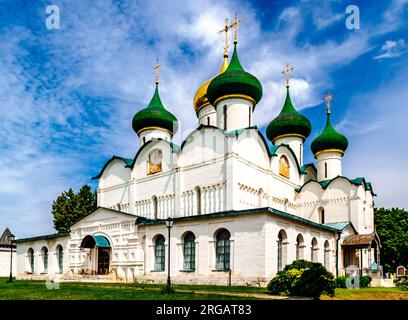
(392,228)
(303,278)
(70,207)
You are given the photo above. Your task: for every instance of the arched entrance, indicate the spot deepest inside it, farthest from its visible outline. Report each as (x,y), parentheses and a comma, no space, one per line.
(99,250)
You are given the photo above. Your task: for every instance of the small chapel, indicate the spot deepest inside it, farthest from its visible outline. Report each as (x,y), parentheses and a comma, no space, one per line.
(226,206)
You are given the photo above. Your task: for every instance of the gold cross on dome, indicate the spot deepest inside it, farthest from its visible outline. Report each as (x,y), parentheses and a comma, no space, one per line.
(286,72)
(157,67)
(328,98)
(226,28)
(235,26)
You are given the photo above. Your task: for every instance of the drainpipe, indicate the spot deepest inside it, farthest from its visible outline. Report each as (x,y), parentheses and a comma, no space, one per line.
(337,254)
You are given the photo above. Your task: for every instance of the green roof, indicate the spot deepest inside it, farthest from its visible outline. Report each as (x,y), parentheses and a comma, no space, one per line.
(329,139)
(356,182)
(338,225)
(155,115)
(289,121)
(232,213)
(234,80)
(48,236)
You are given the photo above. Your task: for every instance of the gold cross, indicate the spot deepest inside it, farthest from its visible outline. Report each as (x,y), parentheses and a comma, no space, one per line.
(235,26)
(286,72)
(226,28)
(157,66)
(328,98)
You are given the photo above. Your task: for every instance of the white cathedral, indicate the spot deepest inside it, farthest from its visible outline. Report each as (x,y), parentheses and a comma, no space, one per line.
(240,208)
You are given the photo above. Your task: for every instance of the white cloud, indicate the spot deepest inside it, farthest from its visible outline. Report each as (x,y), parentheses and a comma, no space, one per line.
(392,49)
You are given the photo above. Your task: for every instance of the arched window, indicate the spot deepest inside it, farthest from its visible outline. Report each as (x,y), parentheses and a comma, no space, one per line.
(144,139)
(299,247)
(208,121)
(189,251)
(154,202)
(30,258)
(314,249)
(159,254)
(281,258)
(198,199)
(284,166)
(321,215)
(327,255)
(44,256)
(325,169)
(222,251)
(250,116)
(60,258)
(225,116)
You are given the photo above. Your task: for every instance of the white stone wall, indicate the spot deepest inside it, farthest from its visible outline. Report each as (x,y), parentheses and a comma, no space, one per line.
(253,248)
(148,135)
(333,161)
(239,113)
(5,262)
(23,266)
(207,116)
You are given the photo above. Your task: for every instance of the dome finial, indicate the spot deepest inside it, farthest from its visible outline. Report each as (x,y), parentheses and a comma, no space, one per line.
(286,72)
(235,26)
(157,66)
(226,45)
(328,98)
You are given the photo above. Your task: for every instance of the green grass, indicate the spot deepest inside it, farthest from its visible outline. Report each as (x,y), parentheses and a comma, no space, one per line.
(37,290)
(375,293)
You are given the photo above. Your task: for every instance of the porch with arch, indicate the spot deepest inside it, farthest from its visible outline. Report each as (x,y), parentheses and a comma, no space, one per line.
(98,254)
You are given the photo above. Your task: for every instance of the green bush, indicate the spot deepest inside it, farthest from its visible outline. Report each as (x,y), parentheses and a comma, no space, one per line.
(365,281)
(303,278)
(403,284)
(340,282)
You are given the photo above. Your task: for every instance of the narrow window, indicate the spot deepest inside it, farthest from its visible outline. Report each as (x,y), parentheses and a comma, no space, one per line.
(280,240)
(222,250)
(327,255)
(225,117)
(144,139)
(198,199)
(189,251)
(250,114)
(159,254)
(30,257)
(299,247)
(325,169)
(208,121)
(154,200)
(44,255)
(60,258)
(314,248)
(300,154)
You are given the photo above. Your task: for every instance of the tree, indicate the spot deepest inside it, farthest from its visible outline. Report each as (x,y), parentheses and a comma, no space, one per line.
(70,207)
(392,228)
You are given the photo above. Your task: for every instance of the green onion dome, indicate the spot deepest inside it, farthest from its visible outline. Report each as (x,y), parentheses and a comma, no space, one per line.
(234,82)
(154,116)
(329,140)
(289,122)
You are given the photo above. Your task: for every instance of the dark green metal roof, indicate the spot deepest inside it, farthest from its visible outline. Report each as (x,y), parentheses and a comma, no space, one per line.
(329,139)
(234,80)
(289,121)
(232,213)
(48,236)
(356,181)
(340,226)
(155,115)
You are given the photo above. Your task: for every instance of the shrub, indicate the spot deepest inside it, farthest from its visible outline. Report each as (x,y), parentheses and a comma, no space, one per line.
(403,284)
(340,282)
(303,278)
(365,281)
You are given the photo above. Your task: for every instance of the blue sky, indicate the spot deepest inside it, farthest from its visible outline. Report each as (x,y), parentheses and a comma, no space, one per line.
(67,96)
